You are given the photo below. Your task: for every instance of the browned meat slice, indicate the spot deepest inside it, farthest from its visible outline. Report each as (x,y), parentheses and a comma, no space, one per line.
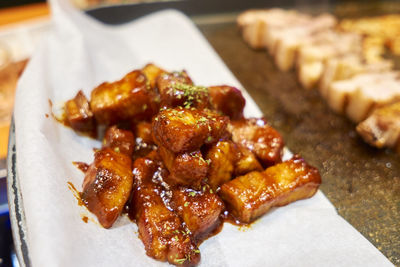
(187,169)
(107,185)
(263,140)
(228,100)
(253,194)
(177,89)
(246,161)
(199,210)
(123,99)
(160,229)
(222,157)
(120,140)
(78,113)
(152,72)
(382,127)
(182,130)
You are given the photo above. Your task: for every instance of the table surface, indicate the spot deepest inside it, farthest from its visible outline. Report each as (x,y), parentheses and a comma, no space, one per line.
(363,183)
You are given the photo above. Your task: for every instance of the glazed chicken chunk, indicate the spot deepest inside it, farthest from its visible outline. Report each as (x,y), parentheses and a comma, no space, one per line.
(250,196)
(122,100)
(107,185)
(382,127)
(260,138)
(78,113)
(182,130)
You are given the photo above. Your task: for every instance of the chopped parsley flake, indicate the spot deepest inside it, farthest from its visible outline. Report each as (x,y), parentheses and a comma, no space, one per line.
(180,261)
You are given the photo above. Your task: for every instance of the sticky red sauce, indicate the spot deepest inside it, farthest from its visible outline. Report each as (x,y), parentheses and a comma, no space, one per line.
(81,165)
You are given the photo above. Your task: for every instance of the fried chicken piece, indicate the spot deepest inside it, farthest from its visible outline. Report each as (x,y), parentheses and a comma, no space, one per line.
(177,89)
(260,138)
(107,185)
(152,72)
(246,161)
(160,229)
(228,100)
(78,113)
(181,130)
(382,127)
(250,196)
(123,100)
(200,210)
(188,168)
(144,139)
(222,157)
(119,140)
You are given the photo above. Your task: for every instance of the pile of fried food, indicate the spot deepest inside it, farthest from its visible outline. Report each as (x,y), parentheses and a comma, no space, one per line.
(180,159)
(344,60)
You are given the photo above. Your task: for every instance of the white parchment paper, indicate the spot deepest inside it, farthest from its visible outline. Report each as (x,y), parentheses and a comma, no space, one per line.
(80,53)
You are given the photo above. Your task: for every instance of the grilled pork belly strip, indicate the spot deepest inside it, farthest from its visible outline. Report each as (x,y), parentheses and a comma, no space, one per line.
(200,210)
(260,138)
(185,130)
(286,42)
(313,55)
(164,236)
(228,100)
(382,127)
(251,195)
(121,100)
(78,113)
(346,67)
(359,96)
(186,169)
(345,61)
(255,24)
(183,153)
(107,185)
